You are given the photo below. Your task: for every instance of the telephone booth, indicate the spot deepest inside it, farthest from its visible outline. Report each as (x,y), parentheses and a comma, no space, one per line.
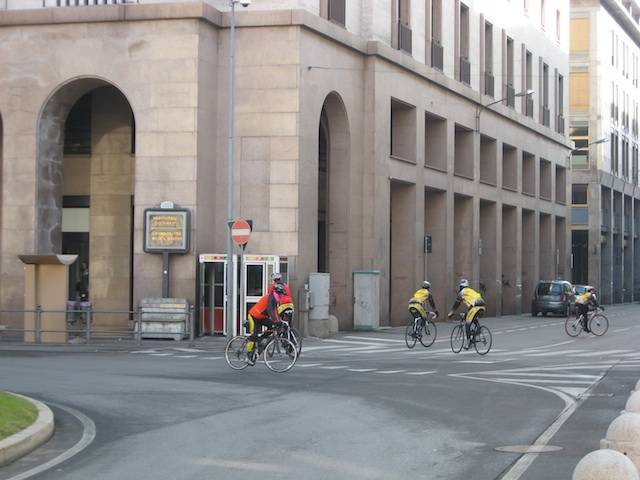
(255,277)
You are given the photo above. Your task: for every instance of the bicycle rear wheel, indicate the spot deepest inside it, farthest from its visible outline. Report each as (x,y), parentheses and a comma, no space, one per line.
(483,340)
(429,332)
(235,353)
(457,338)
(599,324)
(280,354)
(573,326)
(296,338)
(410,334)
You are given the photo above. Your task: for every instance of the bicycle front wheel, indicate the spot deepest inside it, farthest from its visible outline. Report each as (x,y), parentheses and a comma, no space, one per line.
(483,340)
(410,334)
(235,353)
(573,326)
(280,354)
(599,324)
(457,338)
(429,332)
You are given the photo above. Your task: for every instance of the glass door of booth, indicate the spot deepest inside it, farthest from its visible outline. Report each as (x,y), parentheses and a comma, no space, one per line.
(257,270)
(213,279)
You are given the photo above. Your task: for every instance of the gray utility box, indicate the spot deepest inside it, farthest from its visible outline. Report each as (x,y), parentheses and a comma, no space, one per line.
(366,299)
(164,318)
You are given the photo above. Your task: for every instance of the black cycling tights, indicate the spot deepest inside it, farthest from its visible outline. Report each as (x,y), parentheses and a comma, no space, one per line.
(467,327)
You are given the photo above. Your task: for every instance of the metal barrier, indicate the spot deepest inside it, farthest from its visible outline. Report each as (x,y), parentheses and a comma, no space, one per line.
(85,329)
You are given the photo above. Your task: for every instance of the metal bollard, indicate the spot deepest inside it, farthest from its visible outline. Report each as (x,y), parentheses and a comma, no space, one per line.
(38,332)
(89,321)
(192,327)
(605,465)
(139,326)
(623,435)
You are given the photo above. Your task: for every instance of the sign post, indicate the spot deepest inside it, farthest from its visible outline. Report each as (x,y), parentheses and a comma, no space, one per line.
(240,233)
(167,231)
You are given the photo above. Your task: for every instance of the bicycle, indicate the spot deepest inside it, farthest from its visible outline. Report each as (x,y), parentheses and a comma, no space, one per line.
(480,336)
(420,328)
(279,353)
(597,321)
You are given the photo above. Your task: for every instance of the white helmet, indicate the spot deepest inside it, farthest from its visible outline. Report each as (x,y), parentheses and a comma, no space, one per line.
(276,277)
(426,285)
(464,283)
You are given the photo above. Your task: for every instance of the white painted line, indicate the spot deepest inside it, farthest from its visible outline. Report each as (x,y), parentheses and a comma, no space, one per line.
(391,371)
(618,330)
(332,347)
(545,380)
(543,374)
(353,342)
(423,351)
(210,358)
(597,353)
(144,351)
(634,354)
(566,342)
(419,373)
(334,367)
(360,370)
(186,356)
(161,354)
(88,435)
(555,352)
(189,350)
(303,365)
(378,339)
(475,361)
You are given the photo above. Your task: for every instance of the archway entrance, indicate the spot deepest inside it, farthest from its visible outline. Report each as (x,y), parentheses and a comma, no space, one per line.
(86,153)
(334,205)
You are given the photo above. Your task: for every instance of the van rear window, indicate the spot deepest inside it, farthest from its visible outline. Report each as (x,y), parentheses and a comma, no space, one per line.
(549,289)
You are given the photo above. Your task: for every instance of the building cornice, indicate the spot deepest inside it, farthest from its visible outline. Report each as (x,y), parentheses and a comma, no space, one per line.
(299,18)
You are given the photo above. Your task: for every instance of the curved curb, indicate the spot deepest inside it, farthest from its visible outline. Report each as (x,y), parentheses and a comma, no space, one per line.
(24,442)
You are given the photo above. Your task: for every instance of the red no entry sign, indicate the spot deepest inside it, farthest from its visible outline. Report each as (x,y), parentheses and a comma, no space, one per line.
(240,231)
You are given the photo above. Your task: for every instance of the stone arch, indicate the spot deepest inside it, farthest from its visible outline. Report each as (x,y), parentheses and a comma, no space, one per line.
(334,199)
(50,154)
(102,178)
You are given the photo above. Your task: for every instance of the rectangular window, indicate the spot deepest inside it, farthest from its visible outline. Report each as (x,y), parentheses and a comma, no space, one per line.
(510,62)
(403,18)
(337,11)
(463,39)
(488,59)
(579,194)
(560,105)
(437,51)
(528,83)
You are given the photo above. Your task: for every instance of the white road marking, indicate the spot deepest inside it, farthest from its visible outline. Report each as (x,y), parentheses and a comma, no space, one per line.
(188,350)
(545,380)
(334,367)
(332,347)
(186,356)
(88,435)
(618,330)
(391,371)
(353,342)
(360,370)
(378,339)
(144,351)
(555,352)
(475,361)
(419,373)
(210,358)
(596,352)
(545,374)
(161,354)
(303,365)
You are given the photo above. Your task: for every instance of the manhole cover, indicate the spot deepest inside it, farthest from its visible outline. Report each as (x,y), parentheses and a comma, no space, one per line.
(528,448)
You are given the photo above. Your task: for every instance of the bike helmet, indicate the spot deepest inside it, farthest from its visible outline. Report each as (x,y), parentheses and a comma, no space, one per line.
(464,283)
(591,289)
(426,284)
(279,288)
(276,277)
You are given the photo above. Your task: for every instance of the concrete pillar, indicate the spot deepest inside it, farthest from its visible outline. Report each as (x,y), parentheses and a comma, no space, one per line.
(546,240)
(636,249)
(594,245)
(617,247)
(435,224)
(529,256)
(510,277)
(627,249)
(402,261)
(463,239)
(111,186)
(488,255)
(560,254)
(606,257)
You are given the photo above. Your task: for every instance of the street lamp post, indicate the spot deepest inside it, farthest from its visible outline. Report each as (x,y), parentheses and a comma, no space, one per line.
(481,108)
(231,152)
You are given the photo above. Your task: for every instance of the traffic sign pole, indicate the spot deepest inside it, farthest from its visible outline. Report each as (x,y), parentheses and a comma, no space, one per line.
(240,233)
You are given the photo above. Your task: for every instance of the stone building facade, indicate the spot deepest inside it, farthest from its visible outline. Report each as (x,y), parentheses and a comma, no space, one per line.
(605,48)
(360,129)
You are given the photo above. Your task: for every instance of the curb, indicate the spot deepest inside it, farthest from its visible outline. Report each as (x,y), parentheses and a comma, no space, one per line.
(24,442)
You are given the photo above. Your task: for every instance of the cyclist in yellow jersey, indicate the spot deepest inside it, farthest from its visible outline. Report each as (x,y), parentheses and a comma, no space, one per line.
(583,301)
(419,301)
(474,304)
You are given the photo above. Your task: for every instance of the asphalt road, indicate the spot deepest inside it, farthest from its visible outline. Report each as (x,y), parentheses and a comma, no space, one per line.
(360,405)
